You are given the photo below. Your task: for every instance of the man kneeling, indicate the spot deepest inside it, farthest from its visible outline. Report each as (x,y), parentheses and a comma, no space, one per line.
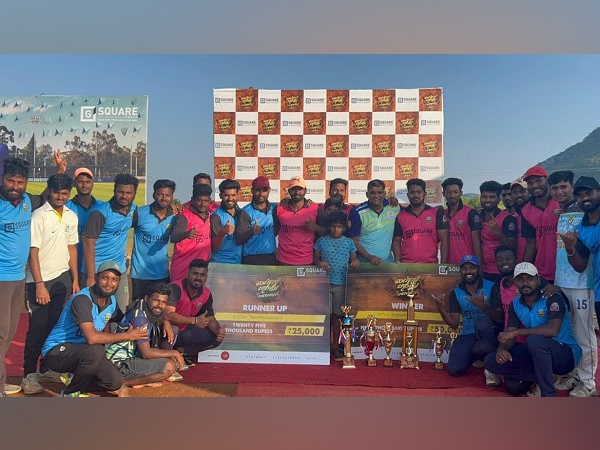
(149,360)
(551,347)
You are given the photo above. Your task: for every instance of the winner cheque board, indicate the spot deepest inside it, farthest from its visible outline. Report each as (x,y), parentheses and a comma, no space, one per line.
(271,314)
(376,290)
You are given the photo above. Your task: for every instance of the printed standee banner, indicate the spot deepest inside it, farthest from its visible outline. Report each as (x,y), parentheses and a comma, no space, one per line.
(358,135)
(271,314)
(375,290)
(108,134)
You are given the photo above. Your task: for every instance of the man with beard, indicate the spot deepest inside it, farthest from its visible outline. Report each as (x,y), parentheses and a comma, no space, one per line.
(202,178)
(82,205)
(507,200)
(471,299)
(223,222)
(338,188)
(52,266)
(499,227)
(540,217)
(105,236)
(578,232)
(190,306)
(153,225)
(295,224)
(465,223)
(147,361)
(371,225)
(255,229)
(551,347)
(76,343)
(191,233)
(520,196)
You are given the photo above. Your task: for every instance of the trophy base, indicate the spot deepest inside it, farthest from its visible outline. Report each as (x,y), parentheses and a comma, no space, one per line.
(348,362)
(371,362)
(387,363)
(438,365)
(409,362)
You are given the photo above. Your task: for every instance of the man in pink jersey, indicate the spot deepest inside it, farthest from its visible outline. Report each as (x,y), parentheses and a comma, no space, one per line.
(520,196)
(191,233)
(499,227)
(419,228)
(465,223)
(539,223)
(202,178)
(295,225)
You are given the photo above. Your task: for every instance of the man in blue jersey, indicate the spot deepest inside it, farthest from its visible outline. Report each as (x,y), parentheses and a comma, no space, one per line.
(153,225)
(255,230)
(105,235)
(82,204)
(223,221)
(76,343)
(551,347)
(471,299)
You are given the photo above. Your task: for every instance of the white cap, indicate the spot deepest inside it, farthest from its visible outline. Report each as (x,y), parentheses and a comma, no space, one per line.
(527,268)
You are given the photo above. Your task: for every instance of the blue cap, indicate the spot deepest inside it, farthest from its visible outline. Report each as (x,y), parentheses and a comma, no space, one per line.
(472,259)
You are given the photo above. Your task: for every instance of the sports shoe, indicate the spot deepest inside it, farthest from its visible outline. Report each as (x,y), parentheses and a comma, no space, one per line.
(478,364)
(74,394)
(66,378)
(49,376)
(30,385)
(337,354)
(535,391)
(566,383)
(10,389)
(175,377)
(582,391)
(491,379)
(189,361)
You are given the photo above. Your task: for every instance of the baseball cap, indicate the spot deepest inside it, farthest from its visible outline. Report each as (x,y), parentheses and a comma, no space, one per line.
(297,181)
(525,267)
(261,182)
(471,259)
(83,170)
(519,181)
(535,171)
(585,183)
(109,265)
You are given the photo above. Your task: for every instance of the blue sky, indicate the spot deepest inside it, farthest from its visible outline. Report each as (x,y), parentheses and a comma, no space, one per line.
(502,113)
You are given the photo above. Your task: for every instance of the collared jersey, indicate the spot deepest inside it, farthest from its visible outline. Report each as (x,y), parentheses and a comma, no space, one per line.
(541,224)
(263,243)
(420,234)
(52,233)
(149,259)
(67,329)
(588,241)
(462,224)
(295,241)
(83,215)
(459,303)
(110,228)
(566,276)
(543,310)
(376,231)
(490,241)
(230,251)
(187,250)
(190,306)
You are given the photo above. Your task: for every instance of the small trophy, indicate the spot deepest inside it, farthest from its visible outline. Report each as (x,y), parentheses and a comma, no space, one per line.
(372,340)
(388,342)
(347,335)
(409,287)
(453,335)
(439,342)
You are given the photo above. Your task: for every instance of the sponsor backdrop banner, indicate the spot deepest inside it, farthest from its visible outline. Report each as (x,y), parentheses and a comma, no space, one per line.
(373,289)
(106,134)
(272,314)
(358,135)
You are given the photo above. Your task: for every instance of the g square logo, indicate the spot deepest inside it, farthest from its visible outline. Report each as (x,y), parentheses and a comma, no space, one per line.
(307,146)
(376,168)
(262,145)
(448,270)
(217,145)
(146,238)
(88,114)
(308,101)
(443,270)
(353,146)
(9,227)
(423,123)
(300,272)
(330,123)
(217,99)
(284,123)
(262,100)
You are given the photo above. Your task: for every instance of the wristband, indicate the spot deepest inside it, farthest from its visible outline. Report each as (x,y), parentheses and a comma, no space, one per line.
(38,282)
(571,254)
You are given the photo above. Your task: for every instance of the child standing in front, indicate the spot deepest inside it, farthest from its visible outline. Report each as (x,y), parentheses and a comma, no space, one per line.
(332,253)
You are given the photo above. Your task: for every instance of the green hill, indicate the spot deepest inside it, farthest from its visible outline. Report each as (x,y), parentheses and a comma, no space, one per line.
(582,158)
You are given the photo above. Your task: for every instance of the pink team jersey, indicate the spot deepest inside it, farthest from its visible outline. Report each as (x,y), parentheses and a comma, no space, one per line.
(489,243)
(544,223)
(187,306)
(419,235)
(521,241)
(189,249)
(295,241)
(507,295)
(461,239)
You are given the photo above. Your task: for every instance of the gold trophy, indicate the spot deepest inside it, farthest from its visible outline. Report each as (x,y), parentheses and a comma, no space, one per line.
(453,335)
(439,342)
(388,342)
(372,340)
(409,287)
(347,334)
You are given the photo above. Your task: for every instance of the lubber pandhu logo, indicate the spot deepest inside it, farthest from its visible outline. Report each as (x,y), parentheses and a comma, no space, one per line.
(269,290)
(337,146)
(384,100)
(224,168)
(430,100)
(314,168)
(407,122)
(246,145)
(337,100)
(291,101)
(291,146)
(430,145)
(406,168)
(314,123)
(360,168)
(383,145)
(246,100)
(360,123)
(268,123)
(224,123)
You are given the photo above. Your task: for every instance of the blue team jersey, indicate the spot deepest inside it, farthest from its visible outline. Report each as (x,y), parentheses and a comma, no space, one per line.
(15,238)
(66,330)
(376,231)
(230,252)
(263,243)
(471,313)
(337,253)
(149,259)
(590,236)
(82,217)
